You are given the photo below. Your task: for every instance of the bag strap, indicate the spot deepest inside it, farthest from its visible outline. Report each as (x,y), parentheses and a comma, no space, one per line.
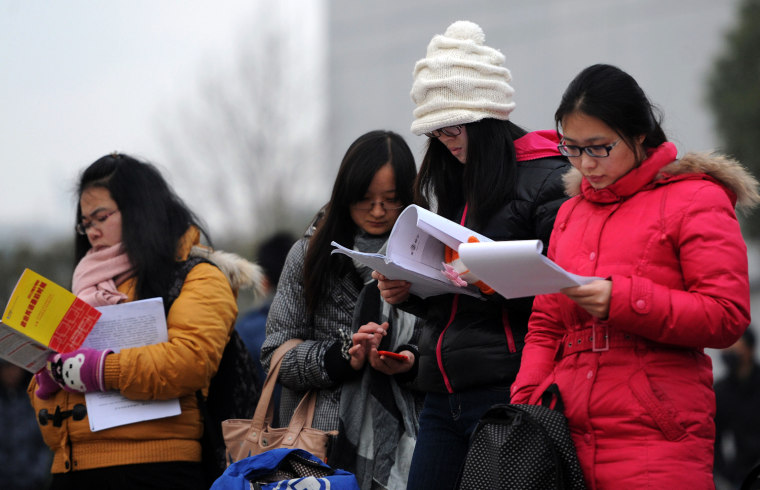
(304,413)
(302,417)
(265,408)
(551,398)
(181,271)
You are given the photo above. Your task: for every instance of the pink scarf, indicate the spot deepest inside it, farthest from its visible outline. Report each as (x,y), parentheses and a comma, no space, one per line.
(97,274)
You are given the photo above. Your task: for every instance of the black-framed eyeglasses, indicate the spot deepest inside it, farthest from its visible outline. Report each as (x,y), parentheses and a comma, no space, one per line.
(83,225)
(386,205)
(596,151)
(448,131)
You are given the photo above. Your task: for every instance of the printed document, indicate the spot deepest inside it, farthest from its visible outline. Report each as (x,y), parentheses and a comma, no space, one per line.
(517,268)
(42,318)
(121,326)
(415,252)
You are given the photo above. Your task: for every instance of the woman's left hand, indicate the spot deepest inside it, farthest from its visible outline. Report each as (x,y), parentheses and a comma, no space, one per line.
(365,340)
(393,292)
(389,365)
(593,297)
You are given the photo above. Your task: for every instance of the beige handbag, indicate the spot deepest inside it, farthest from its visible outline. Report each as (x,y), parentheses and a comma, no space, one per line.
(248,437)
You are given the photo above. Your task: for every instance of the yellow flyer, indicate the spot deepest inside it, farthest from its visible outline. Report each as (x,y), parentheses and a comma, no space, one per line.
(48,313)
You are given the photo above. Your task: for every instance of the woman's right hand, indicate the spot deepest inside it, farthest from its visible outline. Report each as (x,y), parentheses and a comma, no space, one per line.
(393,292)
(593,297)
(365,340)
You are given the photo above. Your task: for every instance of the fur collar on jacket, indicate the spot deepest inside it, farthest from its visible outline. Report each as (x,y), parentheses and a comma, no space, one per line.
(241,273)
(730,173)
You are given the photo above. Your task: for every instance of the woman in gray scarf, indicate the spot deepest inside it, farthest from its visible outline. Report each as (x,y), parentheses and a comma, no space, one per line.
(316,298)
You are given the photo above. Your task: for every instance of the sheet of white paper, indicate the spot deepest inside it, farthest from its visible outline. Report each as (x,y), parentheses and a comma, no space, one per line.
(426,280)
(110,409)
(415,252)
(516,269)
(132,324)
(122,326)
(448,232)
(415,249)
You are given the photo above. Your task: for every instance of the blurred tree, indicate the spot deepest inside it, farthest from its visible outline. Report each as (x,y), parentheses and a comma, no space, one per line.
(56,262)
(254,137)
(734,94)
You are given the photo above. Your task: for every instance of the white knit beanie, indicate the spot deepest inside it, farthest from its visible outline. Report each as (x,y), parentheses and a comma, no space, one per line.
(460,81)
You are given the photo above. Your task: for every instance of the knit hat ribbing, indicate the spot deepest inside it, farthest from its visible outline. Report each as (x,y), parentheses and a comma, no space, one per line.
(460,81)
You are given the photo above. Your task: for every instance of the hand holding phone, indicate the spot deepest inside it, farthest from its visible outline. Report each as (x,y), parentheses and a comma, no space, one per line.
(392,355)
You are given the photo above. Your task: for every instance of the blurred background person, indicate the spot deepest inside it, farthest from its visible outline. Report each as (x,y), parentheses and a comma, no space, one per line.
(252,325)
(737,416)
(24,457)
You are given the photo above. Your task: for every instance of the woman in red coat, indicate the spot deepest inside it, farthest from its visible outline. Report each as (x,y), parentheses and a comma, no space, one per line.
(627,350)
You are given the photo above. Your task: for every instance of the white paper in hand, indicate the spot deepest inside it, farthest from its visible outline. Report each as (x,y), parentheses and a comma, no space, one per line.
(517,269)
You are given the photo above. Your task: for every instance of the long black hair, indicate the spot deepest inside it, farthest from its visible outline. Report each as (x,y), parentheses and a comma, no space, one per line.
(486,182)
(153,218)
(611,95)
(362,160)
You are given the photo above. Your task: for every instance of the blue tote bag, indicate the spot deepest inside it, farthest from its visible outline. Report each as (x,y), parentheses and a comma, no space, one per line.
(281,469)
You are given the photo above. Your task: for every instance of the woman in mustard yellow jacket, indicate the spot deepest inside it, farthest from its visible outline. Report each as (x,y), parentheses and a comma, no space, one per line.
(134,233)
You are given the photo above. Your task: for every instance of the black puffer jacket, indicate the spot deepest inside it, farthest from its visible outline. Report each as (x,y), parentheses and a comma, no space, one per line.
(483,344)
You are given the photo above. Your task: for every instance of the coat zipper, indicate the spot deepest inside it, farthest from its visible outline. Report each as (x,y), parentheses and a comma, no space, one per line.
(439,345)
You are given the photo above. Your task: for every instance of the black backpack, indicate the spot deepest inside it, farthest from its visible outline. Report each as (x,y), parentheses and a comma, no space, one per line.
(233,392)
(523,446)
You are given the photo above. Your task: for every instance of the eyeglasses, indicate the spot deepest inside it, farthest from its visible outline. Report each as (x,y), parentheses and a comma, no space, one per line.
(387,205)
(83,225)
(596,151)
(448,131)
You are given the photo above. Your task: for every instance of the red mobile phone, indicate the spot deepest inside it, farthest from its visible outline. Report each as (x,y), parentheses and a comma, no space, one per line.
(392,355)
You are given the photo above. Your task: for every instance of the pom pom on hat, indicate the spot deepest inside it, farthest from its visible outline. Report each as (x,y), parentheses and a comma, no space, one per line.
(461,80)
(464,30)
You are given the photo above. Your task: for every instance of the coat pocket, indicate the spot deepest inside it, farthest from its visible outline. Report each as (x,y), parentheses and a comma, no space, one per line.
(661,410)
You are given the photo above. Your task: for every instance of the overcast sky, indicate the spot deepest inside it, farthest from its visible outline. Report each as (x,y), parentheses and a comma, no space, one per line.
(79,79)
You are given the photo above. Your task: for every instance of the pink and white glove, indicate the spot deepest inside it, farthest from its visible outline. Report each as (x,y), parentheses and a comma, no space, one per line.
(453,275)
(79,371)
(46,385)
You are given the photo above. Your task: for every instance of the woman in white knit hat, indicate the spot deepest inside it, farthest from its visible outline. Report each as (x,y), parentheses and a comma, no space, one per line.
(485,172)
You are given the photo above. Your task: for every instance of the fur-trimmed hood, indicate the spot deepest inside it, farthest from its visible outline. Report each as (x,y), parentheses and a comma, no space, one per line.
(729,172)
(241,273)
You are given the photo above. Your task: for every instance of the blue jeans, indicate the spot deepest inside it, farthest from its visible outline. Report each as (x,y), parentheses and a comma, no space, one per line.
(446,424)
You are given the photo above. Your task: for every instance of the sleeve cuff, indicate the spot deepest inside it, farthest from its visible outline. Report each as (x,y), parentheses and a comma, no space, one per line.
(338,367)
(111,372)
(409,376)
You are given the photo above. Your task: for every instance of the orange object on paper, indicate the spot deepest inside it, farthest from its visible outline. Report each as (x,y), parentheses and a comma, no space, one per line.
(453,259)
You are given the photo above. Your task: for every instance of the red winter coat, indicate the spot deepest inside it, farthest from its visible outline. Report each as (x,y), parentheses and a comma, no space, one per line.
(638,386)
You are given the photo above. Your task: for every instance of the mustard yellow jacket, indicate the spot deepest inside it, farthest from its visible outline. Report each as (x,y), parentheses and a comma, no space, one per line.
(199,324)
